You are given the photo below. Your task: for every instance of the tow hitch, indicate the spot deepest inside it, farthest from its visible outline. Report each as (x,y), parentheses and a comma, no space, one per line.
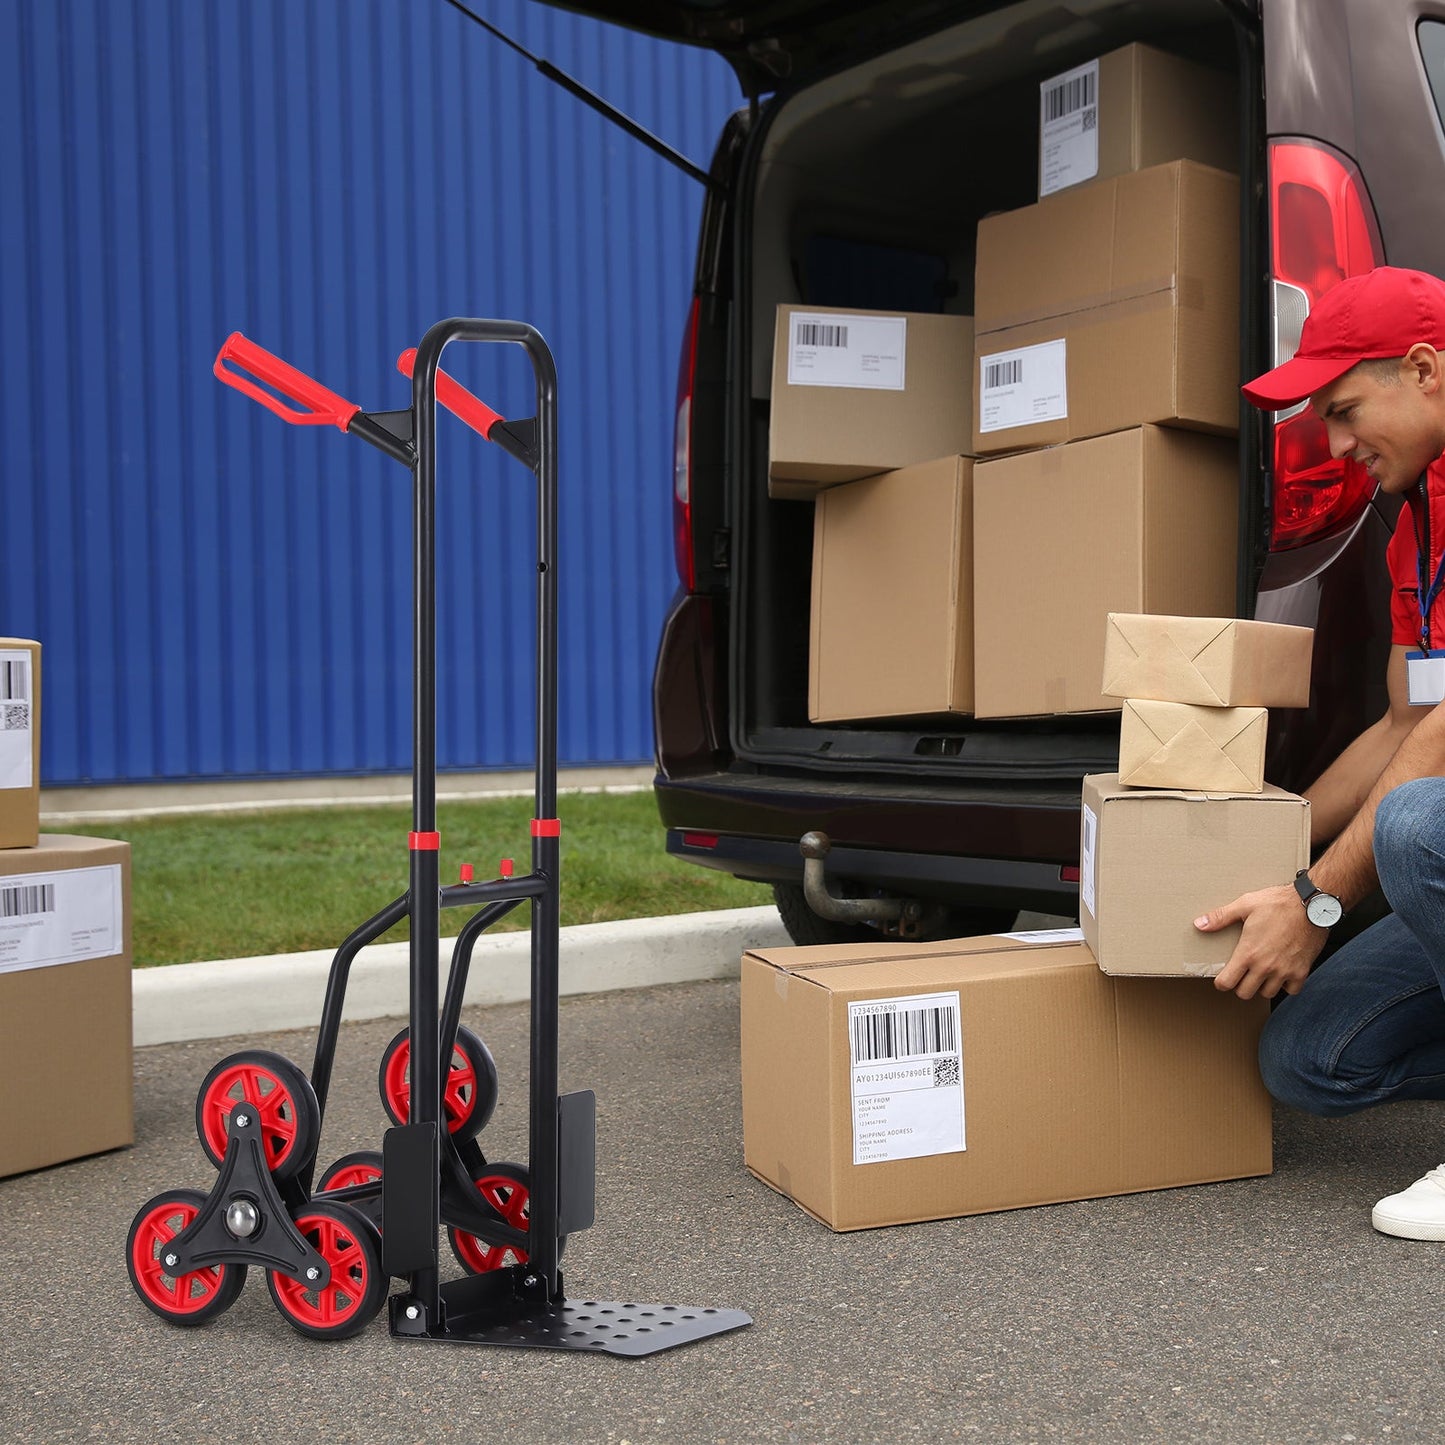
(903,917)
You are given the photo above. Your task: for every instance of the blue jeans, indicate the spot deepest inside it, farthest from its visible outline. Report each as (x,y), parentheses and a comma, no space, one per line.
(1368,1026)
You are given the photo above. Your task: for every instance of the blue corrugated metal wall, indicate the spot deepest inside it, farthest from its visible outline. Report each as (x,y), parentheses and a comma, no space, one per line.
(219,594)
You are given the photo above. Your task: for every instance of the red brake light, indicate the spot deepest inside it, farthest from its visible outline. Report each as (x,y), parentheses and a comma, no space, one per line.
(1324,229)
(682,456)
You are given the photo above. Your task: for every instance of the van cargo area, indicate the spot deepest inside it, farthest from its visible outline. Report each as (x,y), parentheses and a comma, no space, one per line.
(868,191)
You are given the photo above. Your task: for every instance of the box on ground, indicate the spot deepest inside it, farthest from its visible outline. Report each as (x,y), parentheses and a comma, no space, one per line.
(65,1004)
(1108,306)
(1152,860)
(859,392)
(1211,661)
(1062,536)
(892,612)
(19,742)
(1131,109)
(1204,749)
(887,1083)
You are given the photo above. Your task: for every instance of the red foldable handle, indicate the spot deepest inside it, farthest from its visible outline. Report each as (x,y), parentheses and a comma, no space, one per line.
(321,406)
(455,397)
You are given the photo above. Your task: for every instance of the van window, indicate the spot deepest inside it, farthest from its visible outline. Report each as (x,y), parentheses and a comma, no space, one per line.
(1431,34)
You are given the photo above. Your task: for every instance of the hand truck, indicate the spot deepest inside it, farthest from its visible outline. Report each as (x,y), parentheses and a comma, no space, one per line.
(330,1252)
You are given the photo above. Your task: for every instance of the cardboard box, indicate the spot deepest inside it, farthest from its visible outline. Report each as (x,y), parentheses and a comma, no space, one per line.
(65,1010)
(1204,749)
(892,616)
(861,392)
(1151,861)
(19,742)
(1061,535)
(1131,109)
(1108,306)
(1211,661)
(986,1074)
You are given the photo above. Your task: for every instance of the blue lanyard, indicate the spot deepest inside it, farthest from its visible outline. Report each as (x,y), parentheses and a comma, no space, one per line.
(1426,595)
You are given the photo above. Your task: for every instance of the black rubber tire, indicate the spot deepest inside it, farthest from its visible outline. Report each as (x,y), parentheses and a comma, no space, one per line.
(155,1222)
(465,1118)
(359,1284)
(299,1114)
(367,1161)
(805,927)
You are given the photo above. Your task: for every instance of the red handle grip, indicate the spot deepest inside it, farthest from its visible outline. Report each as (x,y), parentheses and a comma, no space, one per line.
(321,405)
(455,397)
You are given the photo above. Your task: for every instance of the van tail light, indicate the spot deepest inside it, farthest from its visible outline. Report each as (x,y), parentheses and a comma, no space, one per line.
(682,456)
(1323,228)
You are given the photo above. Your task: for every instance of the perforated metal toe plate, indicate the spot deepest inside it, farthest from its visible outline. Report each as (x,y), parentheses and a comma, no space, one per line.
(604,1326)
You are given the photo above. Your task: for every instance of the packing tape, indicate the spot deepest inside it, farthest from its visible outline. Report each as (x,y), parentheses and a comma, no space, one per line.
(1152,290)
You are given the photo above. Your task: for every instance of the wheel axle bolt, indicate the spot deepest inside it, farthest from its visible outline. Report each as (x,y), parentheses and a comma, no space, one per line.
(242,1218)
(530,1281)
(242,1120)
(412,1312)
(170,1261)
(313,1273)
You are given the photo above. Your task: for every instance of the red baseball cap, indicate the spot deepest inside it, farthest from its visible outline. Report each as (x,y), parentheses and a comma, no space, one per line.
(1380,314)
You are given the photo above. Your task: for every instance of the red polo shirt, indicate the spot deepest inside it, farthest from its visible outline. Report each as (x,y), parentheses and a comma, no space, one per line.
(1403,557)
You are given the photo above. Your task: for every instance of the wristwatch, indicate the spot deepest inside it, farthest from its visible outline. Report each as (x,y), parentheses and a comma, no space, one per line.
(1322,909)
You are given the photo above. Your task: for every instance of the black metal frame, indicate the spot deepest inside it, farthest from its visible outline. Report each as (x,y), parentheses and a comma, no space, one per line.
(427,1177)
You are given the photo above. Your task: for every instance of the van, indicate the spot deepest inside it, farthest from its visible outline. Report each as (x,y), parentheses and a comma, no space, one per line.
(873,142)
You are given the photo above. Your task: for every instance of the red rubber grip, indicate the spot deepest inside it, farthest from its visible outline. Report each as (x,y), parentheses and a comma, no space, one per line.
(322,406)
(455,397)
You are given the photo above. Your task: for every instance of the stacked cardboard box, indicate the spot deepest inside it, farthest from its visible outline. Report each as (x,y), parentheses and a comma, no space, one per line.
(885,1083)
(1096,385)
(1188,822)
(65,1010)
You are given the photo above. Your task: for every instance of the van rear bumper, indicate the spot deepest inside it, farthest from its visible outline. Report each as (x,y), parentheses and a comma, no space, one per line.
(895,836)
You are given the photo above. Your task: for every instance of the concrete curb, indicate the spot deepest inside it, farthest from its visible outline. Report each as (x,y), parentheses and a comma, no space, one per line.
(285,991)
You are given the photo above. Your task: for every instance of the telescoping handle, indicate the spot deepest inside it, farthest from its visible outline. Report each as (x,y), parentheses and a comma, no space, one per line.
(239,355)
(455,397)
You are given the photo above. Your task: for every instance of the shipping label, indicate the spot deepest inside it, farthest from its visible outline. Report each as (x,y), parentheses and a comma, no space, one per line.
(906,1056)
(1069,129)
(1023,387)
(1043,937)
(17,713)
(65,917)
(1087,851)
(833,349)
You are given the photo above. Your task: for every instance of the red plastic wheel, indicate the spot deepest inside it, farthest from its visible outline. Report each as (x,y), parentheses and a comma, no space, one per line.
(280,1094)
(508,1189)
(350,1245)
(188,1299)
(362,1167)
(468,1096)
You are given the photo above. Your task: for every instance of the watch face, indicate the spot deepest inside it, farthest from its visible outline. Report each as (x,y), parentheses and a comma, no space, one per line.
(1324,910)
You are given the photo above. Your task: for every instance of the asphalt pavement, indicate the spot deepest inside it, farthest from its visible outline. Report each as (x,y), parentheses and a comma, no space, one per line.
(1261,1310)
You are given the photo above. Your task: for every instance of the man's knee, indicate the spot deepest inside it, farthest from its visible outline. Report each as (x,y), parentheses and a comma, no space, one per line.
(1410,820)
(1292,1071)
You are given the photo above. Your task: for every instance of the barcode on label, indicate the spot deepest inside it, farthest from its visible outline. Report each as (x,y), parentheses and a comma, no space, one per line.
(15,680)
(815,333)
(27,899)
(1003,373)
(904,1034)
(1069,95)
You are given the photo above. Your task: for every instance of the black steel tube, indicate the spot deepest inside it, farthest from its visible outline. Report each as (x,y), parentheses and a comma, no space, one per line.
(425,891)
(462,895)
(335,1001)
(466,941)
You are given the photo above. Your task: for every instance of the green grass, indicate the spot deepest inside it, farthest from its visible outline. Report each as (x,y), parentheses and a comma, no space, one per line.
(231,885)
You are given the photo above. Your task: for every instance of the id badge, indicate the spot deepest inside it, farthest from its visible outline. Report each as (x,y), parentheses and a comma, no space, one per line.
(1426,678)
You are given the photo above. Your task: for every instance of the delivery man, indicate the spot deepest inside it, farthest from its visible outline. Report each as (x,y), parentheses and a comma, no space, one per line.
(1368,1025)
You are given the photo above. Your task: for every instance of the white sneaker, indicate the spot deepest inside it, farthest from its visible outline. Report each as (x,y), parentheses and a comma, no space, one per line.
(1414,1213)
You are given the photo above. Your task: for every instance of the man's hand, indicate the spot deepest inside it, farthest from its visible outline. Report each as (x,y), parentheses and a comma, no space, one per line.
(1276,948)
